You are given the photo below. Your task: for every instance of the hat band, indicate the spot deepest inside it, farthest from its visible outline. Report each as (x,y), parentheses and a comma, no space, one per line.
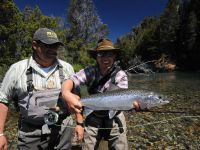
(106,47)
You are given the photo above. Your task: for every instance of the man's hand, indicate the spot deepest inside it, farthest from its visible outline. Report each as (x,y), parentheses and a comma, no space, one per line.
(3,143)
(73,102)
(136,105)
(79,132)
(3,115)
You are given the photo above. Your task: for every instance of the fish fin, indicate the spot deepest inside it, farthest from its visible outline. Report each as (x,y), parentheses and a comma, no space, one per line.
(112,113)
(87,111)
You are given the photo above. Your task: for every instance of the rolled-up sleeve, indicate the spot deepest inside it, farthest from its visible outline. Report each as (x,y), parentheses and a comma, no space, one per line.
(79,78)
(121,79)
(6,90)
(84,77)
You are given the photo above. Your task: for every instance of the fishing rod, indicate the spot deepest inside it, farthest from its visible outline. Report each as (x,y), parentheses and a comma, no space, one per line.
(133,67)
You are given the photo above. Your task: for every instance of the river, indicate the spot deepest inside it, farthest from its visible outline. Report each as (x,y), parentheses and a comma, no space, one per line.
(172,127)
(175,125)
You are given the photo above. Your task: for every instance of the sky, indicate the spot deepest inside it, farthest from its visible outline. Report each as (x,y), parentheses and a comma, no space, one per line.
(120,15)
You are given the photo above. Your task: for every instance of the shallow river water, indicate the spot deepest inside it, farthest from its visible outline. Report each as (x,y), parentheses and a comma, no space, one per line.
(175,125)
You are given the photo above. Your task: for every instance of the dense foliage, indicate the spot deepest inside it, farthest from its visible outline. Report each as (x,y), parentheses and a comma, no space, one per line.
(9,28)
(85,29)
(175,35)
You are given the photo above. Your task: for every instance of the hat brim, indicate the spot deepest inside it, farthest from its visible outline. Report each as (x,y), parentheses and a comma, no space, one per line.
(51,41)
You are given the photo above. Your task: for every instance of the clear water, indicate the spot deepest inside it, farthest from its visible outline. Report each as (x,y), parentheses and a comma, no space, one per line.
(174,126)
(182,88)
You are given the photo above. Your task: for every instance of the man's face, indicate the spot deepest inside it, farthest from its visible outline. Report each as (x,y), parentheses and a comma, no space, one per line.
(105,60)
(49,50)
(46,52)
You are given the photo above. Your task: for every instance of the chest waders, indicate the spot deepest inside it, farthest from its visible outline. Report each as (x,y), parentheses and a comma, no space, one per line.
(100,118)
(39,104)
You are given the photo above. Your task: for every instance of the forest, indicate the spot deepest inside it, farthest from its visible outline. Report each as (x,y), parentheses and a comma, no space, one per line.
(172,39)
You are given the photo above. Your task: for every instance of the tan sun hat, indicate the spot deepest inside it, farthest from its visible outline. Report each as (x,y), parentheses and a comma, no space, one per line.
(104,45)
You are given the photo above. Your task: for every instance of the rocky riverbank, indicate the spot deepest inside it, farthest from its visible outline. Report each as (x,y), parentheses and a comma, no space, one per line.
(146,130)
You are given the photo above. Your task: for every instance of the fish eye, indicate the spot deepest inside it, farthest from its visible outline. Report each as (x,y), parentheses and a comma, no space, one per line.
(160,97)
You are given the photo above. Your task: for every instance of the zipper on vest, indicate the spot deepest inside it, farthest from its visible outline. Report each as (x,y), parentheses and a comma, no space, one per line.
(36,102)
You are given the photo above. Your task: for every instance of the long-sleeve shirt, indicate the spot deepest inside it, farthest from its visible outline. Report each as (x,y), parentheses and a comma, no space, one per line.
(92,73)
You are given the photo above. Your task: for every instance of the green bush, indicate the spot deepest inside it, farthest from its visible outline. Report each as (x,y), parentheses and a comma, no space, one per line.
(77,67)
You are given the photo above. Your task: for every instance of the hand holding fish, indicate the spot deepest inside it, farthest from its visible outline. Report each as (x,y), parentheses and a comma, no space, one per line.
(73,102)
(139,105)
(136,105)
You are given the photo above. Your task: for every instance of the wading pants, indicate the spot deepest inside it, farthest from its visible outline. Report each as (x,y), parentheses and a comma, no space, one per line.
(115,135)
(60,136)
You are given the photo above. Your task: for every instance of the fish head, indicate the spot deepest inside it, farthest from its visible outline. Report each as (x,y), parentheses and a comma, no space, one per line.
(154,99)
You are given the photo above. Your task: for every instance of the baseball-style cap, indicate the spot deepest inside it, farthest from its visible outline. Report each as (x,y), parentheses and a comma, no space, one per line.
(46,36)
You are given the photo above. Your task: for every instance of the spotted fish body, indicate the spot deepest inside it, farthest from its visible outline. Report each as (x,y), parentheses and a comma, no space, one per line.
(122,100)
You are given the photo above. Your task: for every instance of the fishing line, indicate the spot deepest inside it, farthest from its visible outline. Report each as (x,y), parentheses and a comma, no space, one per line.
(133,67)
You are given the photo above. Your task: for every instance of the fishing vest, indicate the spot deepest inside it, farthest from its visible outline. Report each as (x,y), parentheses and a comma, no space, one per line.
(37,104)
(98,84)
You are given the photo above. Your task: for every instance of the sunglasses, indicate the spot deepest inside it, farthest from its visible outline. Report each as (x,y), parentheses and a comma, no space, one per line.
(105,54)
(49,46)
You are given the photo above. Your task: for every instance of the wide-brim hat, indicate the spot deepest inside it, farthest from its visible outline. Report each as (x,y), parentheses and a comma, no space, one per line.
(46,36)
(103,46)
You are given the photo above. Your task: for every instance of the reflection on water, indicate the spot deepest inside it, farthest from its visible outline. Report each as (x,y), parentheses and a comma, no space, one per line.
(166,81)
(167,130)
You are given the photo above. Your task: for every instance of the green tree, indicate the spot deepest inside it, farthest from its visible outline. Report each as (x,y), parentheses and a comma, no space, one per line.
(11,21)
(32,20)
(169,26)
(193,35)
(188,36)
(85,28)
(84,21)
(143,40)
(127,45)
(147,40)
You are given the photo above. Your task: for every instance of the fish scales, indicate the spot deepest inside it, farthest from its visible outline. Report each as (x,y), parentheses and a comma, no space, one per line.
(123,100)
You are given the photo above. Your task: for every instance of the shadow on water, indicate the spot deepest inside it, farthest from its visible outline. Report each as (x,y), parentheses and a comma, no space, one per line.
(153,130)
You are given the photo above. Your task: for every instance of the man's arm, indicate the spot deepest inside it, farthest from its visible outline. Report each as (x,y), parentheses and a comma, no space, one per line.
(3,116)
(79,130)
(72,100)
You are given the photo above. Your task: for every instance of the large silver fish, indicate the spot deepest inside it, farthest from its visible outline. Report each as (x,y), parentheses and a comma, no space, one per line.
(122,100)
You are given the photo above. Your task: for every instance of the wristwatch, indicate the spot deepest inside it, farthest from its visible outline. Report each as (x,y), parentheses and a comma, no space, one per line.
(80,124)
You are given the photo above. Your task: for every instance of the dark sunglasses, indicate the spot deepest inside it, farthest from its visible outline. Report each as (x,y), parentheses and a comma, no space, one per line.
(105,54)
(49,46)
